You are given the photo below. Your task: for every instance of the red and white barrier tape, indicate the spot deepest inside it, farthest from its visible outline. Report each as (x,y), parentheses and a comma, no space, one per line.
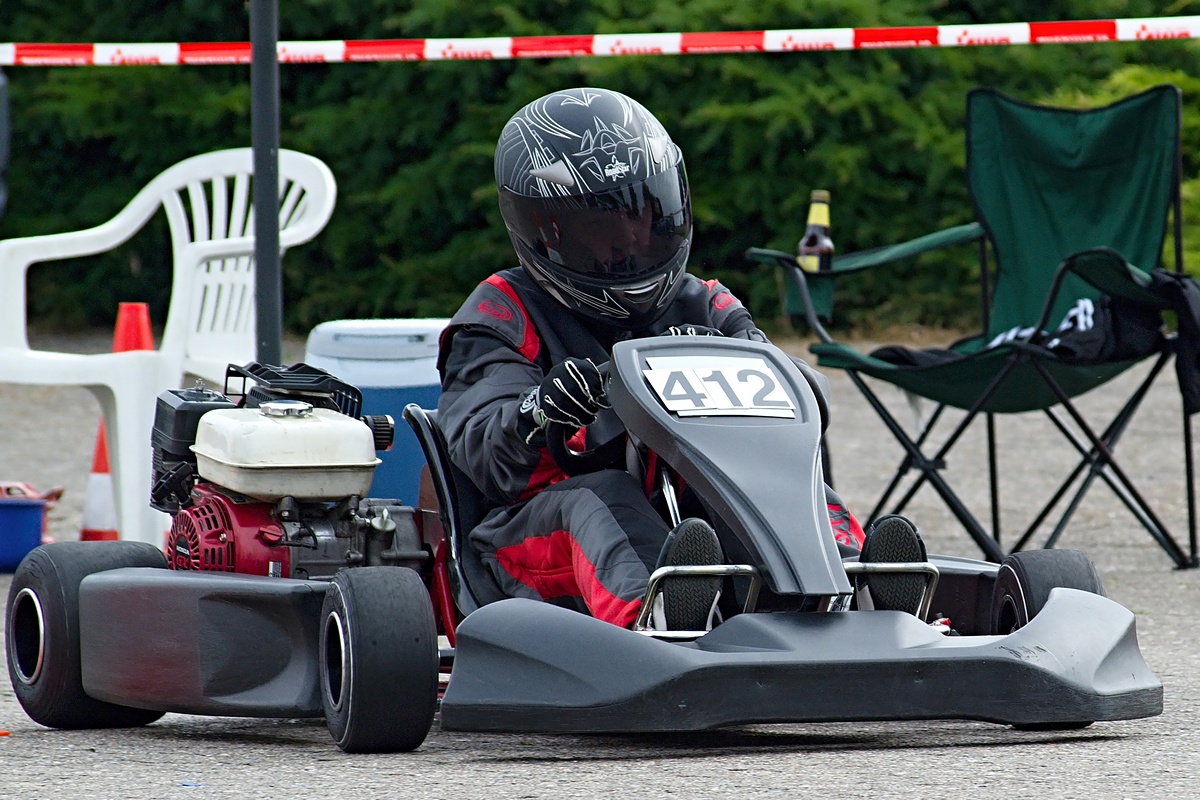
(506,47)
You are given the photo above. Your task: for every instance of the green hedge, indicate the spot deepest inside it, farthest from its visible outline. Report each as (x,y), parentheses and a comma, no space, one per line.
(416,225)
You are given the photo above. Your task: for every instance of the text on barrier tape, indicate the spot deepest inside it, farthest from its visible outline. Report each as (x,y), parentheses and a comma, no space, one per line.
(507,47)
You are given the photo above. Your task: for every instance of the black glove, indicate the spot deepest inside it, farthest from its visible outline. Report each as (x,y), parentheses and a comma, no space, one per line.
(571,394)
(691,330)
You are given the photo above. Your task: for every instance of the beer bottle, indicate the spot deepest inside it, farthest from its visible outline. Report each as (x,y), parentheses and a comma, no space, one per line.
(815,250)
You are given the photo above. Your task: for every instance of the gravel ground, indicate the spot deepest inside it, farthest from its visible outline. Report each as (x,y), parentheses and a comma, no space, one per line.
(48,437)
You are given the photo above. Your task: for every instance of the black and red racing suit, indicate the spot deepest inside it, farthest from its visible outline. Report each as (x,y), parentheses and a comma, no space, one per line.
(593,537)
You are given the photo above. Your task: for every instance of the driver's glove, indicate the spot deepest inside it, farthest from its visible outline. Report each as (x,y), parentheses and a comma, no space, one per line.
(571,394)
(691,330)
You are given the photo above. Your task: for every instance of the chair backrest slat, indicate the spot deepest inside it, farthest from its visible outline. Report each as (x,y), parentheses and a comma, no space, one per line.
(208,200)
(201,232)
(239,224)
(220,208)
(290,203)
(1048,182)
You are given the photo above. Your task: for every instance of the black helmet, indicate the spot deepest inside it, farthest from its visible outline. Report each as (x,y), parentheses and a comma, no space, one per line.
(594,195)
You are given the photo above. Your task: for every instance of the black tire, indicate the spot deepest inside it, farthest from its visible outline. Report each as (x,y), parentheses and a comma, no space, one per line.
(42,633)
(379,660)
(1025,579)
(1022,588)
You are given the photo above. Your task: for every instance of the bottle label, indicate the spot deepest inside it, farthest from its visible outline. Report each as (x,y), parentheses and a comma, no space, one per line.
(809,263)
(818,214)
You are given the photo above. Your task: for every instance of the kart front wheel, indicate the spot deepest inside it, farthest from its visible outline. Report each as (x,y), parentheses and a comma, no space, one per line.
(42,633)
(1025,579)
(379,660)
(1022,588)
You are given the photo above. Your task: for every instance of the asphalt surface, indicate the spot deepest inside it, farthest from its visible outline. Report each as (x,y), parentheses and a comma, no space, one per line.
(47,436)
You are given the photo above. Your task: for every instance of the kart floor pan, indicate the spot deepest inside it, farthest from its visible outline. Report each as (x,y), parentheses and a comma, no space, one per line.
(526,666)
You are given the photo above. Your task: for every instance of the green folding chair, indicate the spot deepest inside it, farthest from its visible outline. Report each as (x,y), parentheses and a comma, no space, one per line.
(1069,202)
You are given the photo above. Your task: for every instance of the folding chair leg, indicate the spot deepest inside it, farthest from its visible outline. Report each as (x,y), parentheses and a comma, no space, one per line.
(1102,462)
(1097,459)
(1096,465)
(906,464)
(930,469)
(993,475)
(1189,464)
(1110,436)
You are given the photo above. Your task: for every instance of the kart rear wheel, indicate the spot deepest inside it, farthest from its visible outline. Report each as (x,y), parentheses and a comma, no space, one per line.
(42,633)
(379,660)
(1022,588)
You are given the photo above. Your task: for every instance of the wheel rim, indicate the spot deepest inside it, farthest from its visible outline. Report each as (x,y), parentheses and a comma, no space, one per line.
(337,662)
(1008,621)
(27,636)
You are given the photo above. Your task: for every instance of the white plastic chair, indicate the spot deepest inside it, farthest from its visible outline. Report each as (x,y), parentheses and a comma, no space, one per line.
(210,319)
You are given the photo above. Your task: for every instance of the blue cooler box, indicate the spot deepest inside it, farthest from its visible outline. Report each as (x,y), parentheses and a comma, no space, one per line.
(21,522)
(394,363)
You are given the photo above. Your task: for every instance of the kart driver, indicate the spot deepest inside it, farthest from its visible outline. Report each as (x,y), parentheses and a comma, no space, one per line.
(595,198)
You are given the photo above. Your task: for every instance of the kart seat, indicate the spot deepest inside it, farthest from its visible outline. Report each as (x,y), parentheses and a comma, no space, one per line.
(461,508)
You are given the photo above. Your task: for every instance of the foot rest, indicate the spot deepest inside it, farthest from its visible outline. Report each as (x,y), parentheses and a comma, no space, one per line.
(642,623)
(929,570)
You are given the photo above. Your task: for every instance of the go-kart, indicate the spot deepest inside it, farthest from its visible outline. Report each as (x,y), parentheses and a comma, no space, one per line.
(342,613)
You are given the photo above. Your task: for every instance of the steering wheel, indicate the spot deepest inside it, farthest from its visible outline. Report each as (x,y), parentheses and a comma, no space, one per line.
(578,463)
(603,457)
(575,462)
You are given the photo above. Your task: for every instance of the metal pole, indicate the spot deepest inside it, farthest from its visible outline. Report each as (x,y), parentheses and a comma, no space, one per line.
(4,141)
(264,136)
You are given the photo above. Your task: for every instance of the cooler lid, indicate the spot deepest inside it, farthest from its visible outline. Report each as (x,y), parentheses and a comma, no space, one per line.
(377,339)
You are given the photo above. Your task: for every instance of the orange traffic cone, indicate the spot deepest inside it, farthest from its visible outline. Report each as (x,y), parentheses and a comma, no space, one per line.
(133,328)
(99,504)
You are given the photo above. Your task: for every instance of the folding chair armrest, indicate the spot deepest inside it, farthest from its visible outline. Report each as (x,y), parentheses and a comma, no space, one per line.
(856,262)
(787,262)
(880,256)
(1108,271)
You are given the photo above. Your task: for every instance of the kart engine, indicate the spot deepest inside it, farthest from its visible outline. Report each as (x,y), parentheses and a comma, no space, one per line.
(271,481)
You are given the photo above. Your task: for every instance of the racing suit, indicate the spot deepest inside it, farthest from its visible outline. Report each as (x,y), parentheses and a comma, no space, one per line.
(592,538)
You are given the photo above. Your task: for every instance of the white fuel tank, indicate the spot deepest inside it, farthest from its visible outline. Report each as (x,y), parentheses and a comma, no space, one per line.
(286,448)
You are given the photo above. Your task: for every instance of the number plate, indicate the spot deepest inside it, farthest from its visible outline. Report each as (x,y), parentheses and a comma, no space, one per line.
(695,386)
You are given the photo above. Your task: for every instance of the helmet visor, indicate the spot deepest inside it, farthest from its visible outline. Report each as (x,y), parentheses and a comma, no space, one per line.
(625,233)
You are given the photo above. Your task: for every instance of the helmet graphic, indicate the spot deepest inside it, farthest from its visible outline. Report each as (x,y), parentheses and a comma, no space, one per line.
(595,198)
